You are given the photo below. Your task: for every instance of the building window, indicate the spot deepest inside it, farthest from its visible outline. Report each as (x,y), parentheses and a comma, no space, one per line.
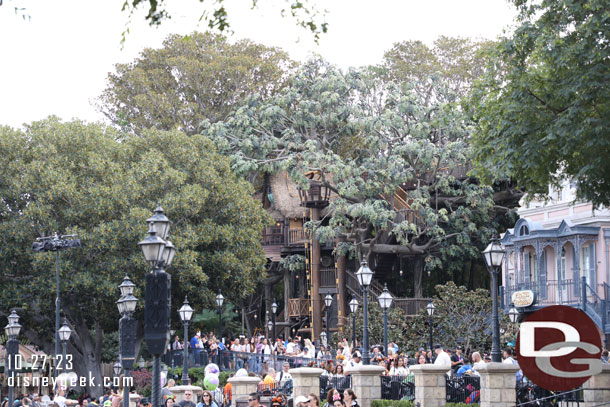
(587,263)
(524,230)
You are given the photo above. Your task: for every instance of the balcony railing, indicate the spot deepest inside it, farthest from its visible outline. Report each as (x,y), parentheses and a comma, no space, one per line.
(273,236)
(551,292)
(328,277)
(298,307)
(297,236)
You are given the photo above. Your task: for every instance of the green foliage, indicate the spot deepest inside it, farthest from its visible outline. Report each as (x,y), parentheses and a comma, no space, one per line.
(110,349)
(304,13)
(191,79)
(391,403)
(142,381)
(207,319)
(543,108)
(459,61)
(461,317)
(294,263)
(367,137)
(88,179)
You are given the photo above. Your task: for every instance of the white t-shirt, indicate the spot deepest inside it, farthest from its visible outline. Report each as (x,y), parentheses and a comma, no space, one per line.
(290,348)
(60,401)
(443,359)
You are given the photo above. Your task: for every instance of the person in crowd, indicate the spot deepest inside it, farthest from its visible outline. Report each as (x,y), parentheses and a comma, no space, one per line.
(177,345)
(207,400)
(188,399)
(169,400)
(422,360)
(314,400)
(605,356)
(377,354)
(442,358)
(477,362)
(165,391)
(283,376)
(349,397)
(429,356)
(144,402)
(60,398)
(338,403)
(356,360)
(400,369)
(457,360)
(254,400)
(301,401)
(339,372)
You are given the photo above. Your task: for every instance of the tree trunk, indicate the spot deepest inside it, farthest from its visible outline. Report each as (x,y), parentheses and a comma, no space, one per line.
(287,294)
(418,270)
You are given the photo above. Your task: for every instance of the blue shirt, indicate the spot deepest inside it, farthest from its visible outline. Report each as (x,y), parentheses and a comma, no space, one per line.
(194,342)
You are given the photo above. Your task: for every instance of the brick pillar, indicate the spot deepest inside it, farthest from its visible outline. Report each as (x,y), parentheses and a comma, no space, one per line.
(178,391)
(498,383)
(366,383)
(430,385)
(599,381)
(305,380)
(242,386)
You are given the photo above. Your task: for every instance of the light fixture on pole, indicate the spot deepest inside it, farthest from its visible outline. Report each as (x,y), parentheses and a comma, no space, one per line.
(159,252)
(494,255)
(385,301)
(116,369)
(273,312)
(186,313)
(365,275)
(127,332)
(430,311)
(323,338)
(328,301)
(513,314)
(269,327)
(219,301)
(64,337)
(12,349)
(353,307)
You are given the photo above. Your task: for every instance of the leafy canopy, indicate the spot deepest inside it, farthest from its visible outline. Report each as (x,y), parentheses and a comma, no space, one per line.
(191,79)
(90,180)
(367,137)
(543,109)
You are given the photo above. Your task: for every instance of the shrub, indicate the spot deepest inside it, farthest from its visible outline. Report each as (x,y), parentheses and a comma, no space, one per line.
(392,403)
(142,381)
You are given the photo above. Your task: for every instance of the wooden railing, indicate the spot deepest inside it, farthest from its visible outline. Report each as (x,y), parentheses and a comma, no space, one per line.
(411,306)
(297,236)
(273,236)
(328,277)
(298,307)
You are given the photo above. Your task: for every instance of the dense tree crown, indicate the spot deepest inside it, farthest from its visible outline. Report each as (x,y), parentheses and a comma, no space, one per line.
(368,137)
(193,78)
(543,109)
(91,180)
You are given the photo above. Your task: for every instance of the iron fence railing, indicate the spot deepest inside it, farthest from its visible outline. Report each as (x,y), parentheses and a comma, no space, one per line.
(464,389)
(398,387)
(340,383)
(530,395)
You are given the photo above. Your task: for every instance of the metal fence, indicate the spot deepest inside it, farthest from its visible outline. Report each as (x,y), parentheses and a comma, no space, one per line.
(340,383)
(229,360)
(397,387)
(530,395)
(464,389)
(276,388)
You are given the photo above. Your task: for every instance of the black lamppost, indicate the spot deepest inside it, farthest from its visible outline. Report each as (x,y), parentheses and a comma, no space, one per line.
(273,311)
(159,253)
(494,255)
(12,349)
(385,301)
(64,337)
(56,243)
(116,369)
(328,301)
(324,339)
(127,332)
(219,301)
(269,327)
(186,312)
(365,275)
(353,307)
(513,314)
(430,310)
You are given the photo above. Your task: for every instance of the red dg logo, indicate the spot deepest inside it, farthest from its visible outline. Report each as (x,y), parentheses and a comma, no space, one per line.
(559,348)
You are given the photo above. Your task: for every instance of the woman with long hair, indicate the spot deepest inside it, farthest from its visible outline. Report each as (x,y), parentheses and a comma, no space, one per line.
(207,400)
(349,397)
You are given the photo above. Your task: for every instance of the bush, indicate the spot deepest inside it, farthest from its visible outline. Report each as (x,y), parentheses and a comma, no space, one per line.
(392,403)
(197,374)
(142,381)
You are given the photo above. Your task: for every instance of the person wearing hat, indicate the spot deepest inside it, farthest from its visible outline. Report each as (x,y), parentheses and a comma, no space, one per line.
(301,401)
(442,358)
(355,361)
(144,402)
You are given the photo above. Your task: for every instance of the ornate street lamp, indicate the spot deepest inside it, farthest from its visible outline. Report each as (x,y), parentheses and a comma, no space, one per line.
(12,349)
(365,275)
(273,312)
(159,253)
(186,312)
(353,307)
(127,332)
(64,337)
(430,310)
(513,314)
(116,368)
(494,255)
(328,301)
(219,301)
(269,327)
(323,338)
(56,243)
(385,301)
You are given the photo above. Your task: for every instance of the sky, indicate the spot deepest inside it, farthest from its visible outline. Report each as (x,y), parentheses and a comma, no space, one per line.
(56,60)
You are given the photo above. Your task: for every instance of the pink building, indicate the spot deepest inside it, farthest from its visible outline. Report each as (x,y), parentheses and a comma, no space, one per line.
(559,251)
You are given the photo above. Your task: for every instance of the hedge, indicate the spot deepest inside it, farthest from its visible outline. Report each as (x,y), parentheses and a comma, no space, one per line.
(392,403)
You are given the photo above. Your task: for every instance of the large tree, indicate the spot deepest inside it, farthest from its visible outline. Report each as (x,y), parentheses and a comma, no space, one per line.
(102,185)
(543,109)
(389,154)
(191,79)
